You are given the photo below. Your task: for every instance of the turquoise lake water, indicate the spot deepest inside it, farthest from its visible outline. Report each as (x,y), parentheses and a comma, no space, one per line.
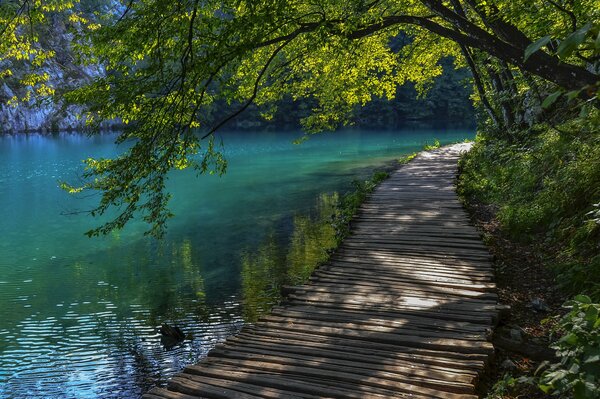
(79,317)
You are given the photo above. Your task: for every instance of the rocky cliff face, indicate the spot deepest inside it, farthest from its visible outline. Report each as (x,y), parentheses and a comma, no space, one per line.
(46,116)
(50,113)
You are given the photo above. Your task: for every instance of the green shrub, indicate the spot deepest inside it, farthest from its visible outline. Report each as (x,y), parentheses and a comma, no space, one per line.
(577,374)
(429,147)
(407,158)
(545,187)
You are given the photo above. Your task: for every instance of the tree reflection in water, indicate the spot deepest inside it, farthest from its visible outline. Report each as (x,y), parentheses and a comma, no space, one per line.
(274,265)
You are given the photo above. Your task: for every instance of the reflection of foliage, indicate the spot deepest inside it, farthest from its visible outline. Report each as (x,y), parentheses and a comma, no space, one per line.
(192,273)
(262,277)
(312,240)
(190,285)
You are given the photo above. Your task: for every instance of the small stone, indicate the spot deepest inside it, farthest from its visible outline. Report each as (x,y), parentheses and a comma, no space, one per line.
(539,305)
(516,335)
(508,365)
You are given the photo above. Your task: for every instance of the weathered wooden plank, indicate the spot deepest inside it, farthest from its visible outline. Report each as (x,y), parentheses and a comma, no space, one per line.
(160,393)
(450,265)
(381,353)
(375,309)
(416,249)
(397,301)
(405,239)
(380,319)
(435,283)
(335,377)
(401,375)
(299,383)
(411,330)
(333,356)
(400,291)
(244,388)
(362,253)
(374,262)
(366,269)
(436,343)
(191,387)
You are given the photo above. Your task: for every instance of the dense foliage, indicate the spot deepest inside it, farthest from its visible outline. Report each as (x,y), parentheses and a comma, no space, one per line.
(578,372)
(536,163)
(168,64)
(545,187)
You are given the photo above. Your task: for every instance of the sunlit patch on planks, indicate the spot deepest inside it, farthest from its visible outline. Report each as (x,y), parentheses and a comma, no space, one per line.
(403,309)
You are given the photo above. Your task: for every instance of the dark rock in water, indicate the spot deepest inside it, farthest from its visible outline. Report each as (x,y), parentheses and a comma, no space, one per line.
(171,336)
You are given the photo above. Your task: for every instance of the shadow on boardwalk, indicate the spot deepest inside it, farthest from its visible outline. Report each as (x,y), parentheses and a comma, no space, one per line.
(403,309)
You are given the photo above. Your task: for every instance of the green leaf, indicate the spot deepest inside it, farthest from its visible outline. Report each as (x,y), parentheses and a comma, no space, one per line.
(545,388)
(570,339)
(571,42)
(551,99)
(573,94)
(591,314)
(583,299)
(535,46)
(579,391)
(591,359)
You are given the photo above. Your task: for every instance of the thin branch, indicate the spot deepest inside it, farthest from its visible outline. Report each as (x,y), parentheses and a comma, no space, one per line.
(15,16)
(127,9)
(254,92)
(569,13)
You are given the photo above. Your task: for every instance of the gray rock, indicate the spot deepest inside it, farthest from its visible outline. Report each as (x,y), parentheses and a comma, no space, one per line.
(539,305)
(516,334)
(508,365)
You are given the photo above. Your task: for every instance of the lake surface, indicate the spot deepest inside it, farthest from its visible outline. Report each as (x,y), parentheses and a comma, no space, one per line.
(79,317)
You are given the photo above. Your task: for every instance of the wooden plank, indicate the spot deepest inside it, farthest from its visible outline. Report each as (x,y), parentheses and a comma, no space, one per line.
(334,377)
(409,329)
(161,393)
(290,342)
(301,384)
(416,249)
(361,253)
(401,375)
(383,259)
(435,283)
(485,319)
(244,388)
(435,343)
(366,270)
(396,301)
(400,291)
(452,242)
(380,319)
(431,266)
(193,387)
(411,366)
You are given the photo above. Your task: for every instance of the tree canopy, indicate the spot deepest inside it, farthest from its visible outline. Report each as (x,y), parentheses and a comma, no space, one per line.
(168,63)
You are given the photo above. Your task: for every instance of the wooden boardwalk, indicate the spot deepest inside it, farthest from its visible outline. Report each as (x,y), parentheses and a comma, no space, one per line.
(403,309)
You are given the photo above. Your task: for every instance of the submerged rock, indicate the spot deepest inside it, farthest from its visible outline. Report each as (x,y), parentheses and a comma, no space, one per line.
(171,336)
